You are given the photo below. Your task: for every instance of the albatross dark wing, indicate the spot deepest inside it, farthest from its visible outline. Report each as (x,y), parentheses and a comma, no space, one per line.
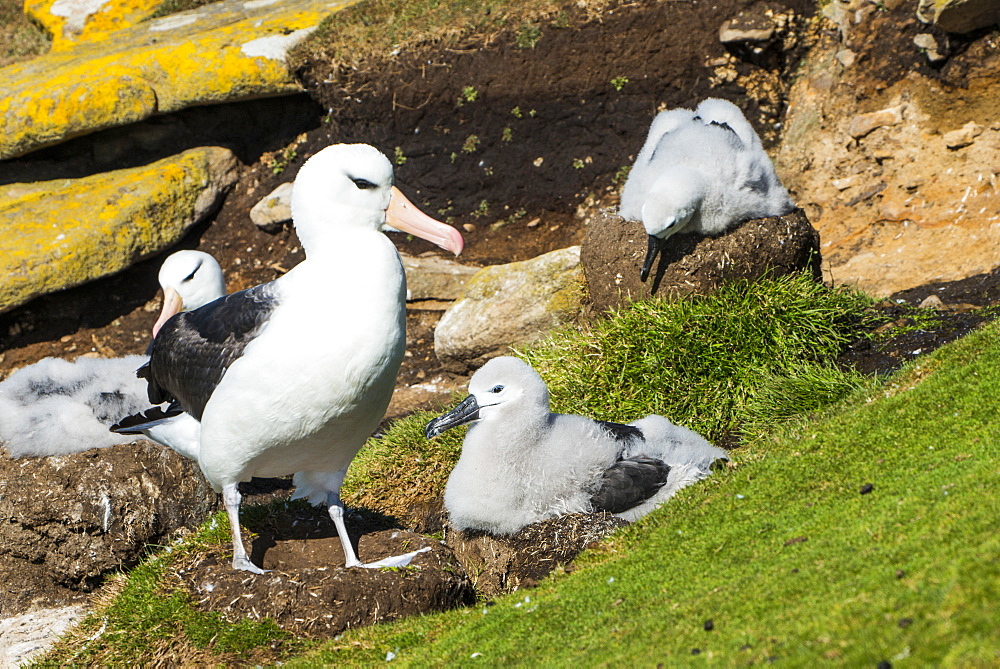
(629,482)
(194,349)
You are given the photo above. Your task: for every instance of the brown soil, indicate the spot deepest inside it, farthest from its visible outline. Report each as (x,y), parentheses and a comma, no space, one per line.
(572,133)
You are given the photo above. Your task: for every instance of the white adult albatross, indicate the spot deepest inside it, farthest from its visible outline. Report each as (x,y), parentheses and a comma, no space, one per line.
(521,464)
(293,376)
(700,171)
(57,406)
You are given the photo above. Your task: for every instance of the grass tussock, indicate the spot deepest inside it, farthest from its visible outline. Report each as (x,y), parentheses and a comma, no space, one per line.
(864,535)
(717,364)
(402,471)
(733,363)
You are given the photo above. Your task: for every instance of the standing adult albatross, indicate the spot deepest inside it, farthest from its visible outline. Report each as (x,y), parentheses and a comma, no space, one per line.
(294,375)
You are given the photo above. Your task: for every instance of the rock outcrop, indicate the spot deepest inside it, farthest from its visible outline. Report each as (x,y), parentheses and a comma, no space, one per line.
(220,52)
(614,248)
(895,163)
(63,233)
(507,305)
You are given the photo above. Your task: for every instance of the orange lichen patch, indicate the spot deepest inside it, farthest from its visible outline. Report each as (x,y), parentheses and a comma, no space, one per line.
(59,234)
(159,66)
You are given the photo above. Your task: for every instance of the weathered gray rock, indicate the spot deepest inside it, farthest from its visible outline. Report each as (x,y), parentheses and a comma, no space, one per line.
(85,515)
(863,124)
(934,52)
(433,282)
(507,305)
(274,210)
(60,234)
(614,248)
(754,25)
(964,136)
(959,16)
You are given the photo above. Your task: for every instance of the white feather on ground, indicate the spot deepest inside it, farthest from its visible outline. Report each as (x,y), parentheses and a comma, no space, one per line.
(521,464)
(700,171)
(57,406)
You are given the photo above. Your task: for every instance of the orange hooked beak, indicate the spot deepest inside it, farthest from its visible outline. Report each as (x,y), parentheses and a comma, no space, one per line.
(172,303)
(404,215)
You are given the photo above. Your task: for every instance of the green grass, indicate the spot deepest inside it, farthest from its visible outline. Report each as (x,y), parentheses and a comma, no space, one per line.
(710,363)
(737,361)
(784,554)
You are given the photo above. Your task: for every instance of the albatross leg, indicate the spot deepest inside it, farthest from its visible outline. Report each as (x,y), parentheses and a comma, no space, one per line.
(231,498)
(336,510)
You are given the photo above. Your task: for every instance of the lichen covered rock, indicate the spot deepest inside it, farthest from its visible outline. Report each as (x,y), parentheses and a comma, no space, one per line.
(507,305)
(59,234)
(221,52)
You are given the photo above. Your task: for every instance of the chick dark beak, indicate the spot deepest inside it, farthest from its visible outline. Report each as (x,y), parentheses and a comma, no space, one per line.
(655,246)
(466,412)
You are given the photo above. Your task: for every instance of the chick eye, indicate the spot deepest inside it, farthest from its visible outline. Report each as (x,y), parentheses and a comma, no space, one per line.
(363,184)
(496,389)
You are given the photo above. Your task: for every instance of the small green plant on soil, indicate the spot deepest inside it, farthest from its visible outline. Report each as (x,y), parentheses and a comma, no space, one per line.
(516,112)
(507,135)
(470,144)
(482,210)
(281,162)
(578,164)
(528,36)
(453,156)
(619,82)
(469,94)
(621,175)
(398,156)
(513,218)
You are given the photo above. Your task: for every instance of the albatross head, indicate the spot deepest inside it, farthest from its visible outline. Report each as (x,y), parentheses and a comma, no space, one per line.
(503,390)
(670,206)
(189,279)
(352,185)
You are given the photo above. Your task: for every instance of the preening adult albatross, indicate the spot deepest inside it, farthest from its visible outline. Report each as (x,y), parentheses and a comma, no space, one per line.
(294,375)
(521,464)
(57,406)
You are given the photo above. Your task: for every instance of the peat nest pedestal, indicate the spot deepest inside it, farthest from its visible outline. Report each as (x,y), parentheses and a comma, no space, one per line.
(613,251)
(70,520)
(505,563)
(309,592)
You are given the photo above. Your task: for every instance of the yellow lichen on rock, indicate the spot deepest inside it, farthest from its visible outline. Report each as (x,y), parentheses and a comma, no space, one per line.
(59,234)
(222,52)
(71,22)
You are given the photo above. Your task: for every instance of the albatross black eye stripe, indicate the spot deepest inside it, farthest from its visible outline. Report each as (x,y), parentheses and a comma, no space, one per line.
(363,184)
(193,272)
